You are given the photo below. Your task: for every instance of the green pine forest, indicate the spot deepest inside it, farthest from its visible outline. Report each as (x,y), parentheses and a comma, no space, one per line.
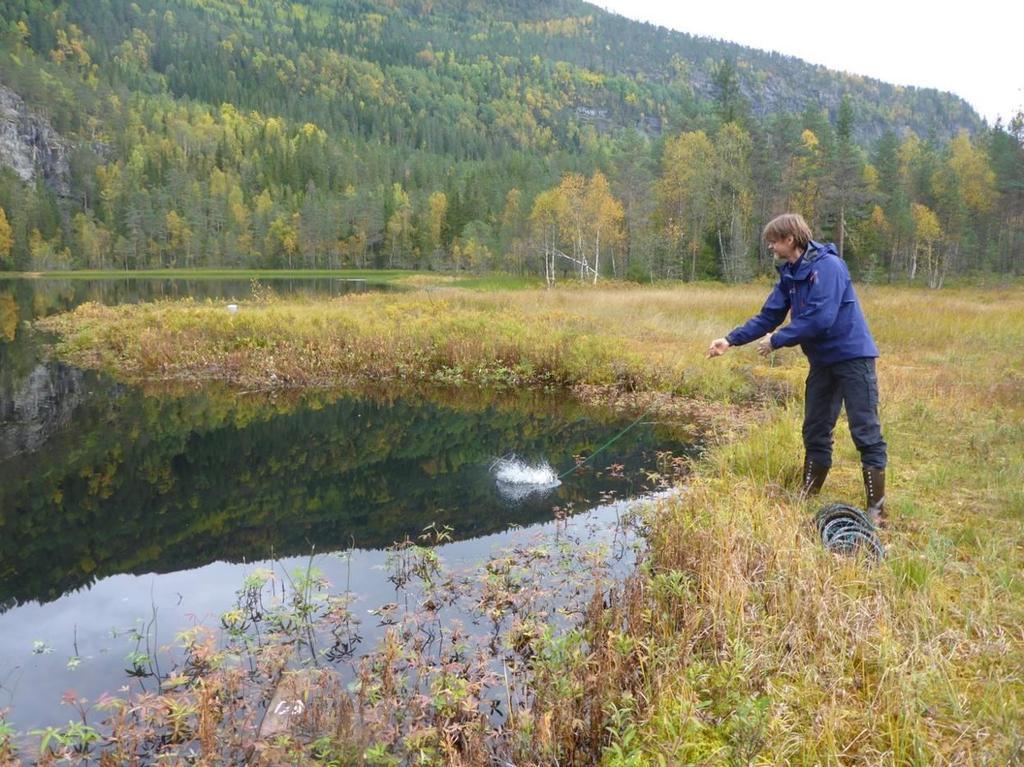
(544,138)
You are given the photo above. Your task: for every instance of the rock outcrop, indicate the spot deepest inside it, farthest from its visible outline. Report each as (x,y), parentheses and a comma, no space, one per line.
(30,146)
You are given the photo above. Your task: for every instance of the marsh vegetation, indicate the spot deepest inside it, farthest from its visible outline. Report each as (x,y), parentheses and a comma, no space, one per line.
(736,638)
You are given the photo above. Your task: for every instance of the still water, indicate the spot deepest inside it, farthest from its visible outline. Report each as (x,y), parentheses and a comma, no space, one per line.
(130,513)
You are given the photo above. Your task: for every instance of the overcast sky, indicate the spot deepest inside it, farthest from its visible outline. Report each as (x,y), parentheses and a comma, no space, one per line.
(972,49)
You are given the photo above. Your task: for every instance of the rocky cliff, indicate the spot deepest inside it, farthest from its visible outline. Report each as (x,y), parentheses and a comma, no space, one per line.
(30,146)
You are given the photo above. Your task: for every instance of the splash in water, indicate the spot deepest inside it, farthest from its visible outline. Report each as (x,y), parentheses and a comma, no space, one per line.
(517,479)
(514,471)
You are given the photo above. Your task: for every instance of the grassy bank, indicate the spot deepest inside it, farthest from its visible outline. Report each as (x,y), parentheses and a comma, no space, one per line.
(400,276)
(377,275)
(739,640)
(635,339)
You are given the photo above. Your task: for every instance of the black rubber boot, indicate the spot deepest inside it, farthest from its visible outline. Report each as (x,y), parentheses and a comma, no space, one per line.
(874,488)
(813,478)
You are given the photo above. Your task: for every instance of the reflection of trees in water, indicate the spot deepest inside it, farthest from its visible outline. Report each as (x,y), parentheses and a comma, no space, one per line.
(145,483)
(36,398)
(9,317)
(96,479)
(20,351)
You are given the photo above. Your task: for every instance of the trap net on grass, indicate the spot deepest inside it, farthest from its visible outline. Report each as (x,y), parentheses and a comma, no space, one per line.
(847,530)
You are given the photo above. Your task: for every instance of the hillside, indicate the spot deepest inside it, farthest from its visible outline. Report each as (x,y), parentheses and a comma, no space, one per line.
(408,71)
(259,133)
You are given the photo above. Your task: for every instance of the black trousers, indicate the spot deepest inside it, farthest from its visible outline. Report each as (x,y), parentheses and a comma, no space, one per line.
(854,383)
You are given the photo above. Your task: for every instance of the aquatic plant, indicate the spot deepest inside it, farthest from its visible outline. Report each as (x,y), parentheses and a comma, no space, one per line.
(446,678)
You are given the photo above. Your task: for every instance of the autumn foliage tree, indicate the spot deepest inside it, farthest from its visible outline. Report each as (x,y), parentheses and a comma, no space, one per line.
(684,194)
(6,241)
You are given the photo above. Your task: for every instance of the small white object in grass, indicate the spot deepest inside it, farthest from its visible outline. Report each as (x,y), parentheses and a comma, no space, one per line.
(232,308)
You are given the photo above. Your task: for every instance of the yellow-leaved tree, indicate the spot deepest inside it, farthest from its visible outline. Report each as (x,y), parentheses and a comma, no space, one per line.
(437,209)
(805,174)
(684,192)
(605,217)
(545,224)
(927,233)
(573,218)
(732,199)
(6,241)
(398,231)
(965,189)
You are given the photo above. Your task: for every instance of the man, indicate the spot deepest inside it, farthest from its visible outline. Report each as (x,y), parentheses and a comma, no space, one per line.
(814,287)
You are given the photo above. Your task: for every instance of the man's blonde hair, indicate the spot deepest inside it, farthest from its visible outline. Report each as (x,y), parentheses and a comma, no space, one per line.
(785,225)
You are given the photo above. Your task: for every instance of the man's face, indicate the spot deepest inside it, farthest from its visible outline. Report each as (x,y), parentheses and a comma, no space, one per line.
(784,249)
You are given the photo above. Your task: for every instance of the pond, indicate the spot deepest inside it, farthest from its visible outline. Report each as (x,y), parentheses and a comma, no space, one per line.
(130,513)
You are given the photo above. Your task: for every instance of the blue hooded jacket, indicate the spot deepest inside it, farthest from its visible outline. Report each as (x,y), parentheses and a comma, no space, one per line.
(825,316)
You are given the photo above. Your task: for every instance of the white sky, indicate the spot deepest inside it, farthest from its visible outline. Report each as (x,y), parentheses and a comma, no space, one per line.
(971,49)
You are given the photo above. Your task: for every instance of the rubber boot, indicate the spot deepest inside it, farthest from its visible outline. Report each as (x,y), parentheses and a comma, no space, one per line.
(813,478)
(874,488)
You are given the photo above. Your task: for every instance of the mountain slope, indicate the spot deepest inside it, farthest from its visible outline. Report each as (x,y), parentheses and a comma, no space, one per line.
(454,76)
(399,132)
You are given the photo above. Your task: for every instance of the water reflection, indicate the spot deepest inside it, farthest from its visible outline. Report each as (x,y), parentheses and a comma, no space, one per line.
(103,485)
(87,640)
(25,377)
(122,481)
(97,478)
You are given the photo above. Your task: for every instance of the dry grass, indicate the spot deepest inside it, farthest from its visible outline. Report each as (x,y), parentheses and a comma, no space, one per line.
(633,339)
(816,660)
(741,641)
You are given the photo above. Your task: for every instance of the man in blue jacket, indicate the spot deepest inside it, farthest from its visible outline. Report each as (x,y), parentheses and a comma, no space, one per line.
(814,288)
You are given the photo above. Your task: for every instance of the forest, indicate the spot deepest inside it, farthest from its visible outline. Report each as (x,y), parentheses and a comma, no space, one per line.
(552,139)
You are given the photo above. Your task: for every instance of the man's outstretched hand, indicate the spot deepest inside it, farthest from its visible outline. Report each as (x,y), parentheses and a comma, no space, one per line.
(718,347)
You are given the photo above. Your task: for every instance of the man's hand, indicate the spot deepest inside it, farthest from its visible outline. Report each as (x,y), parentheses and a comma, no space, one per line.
(764,346)
(718,347)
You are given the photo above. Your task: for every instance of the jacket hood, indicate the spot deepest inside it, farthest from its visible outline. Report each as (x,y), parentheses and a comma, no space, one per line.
(803,266)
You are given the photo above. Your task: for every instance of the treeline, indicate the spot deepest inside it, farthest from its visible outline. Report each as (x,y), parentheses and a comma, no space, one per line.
(348,134)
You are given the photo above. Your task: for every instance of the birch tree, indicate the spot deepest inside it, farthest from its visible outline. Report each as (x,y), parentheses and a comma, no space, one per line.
(806,172)
(732,199)
(927,232)
(684,193)
(433,225)
(573,221)
(604,218)
(545,221)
